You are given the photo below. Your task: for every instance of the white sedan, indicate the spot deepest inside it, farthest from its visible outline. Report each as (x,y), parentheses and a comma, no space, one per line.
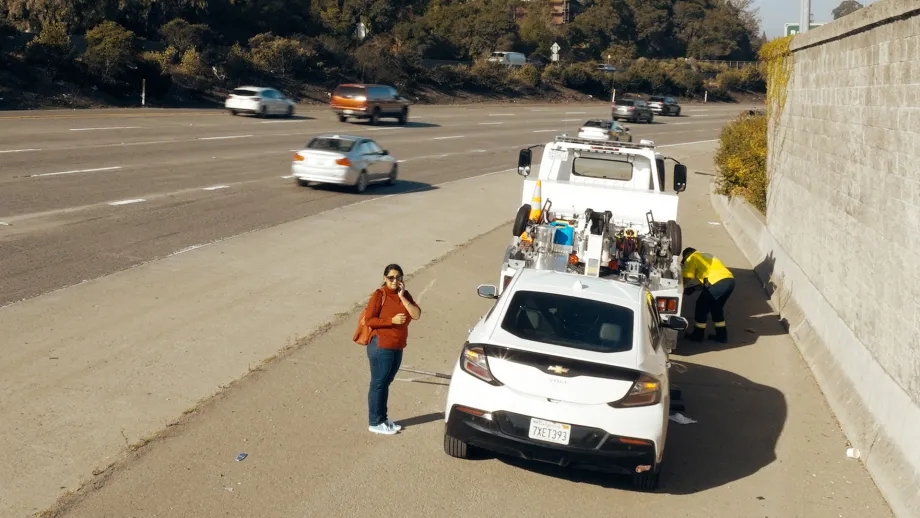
(259,101)
(566,369)
(344,160)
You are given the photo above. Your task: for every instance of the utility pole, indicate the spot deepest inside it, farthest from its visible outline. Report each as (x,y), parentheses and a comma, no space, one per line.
(805,23)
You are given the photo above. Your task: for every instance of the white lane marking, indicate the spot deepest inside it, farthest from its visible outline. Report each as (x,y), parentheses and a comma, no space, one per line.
(188,249)
(227,137)
(479,151)
(451,137)
(5,224)
(105,128)
(489,123)
(281,122)
(544,131)
(76,171)
(127,202)
(715,223)
(570,120)
(387,128)
(288,177)
(680,123)
(19,150)
(539,109)
(689,143)
(501,115)
(575,113)
(214,188)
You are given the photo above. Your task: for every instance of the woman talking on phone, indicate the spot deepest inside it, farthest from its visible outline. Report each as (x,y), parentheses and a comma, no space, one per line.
(389,312)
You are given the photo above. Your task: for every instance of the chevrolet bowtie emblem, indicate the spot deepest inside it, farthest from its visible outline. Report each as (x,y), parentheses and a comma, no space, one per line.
(557,369)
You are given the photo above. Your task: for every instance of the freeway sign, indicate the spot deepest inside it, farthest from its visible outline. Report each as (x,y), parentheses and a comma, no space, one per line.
(555,48)
(793,28)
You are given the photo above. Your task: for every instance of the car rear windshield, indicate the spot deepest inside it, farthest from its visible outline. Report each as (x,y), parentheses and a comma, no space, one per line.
(655,99)
(626,103)
(595,165)
(597,124)
(567,321)
(331,144)
(245,92)
(348,92)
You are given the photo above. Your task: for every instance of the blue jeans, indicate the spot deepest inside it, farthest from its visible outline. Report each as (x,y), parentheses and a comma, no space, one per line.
(384,365)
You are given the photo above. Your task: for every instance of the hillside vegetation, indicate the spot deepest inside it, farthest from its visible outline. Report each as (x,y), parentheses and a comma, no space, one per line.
(55,51)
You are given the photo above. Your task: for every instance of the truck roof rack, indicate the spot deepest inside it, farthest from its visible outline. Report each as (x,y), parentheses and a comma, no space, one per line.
(642,144)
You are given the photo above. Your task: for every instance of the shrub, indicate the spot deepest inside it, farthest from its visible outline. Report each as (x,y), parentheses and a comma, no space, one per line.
(51,47)
(110,49)
(528,75)
(741,160)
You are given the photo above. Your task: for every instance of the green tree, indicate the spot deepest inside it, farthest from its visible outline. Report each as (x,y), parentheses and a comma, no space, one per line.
(846,7)
(110,50)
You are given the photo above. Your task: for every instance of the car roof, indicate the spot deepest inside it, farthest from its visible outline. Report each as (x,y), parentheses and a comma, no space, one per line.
(362,85)
(603,290)
(253,88)
(340,136)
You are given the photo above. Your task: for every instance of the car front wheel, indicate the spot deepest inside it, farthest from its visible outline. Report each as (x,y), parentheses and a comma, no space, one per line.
(456,448)
(647,481)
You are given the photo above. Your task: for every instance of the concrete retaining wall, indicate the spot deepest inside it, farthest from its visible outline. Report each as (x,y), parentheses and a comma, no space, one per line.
(840,249)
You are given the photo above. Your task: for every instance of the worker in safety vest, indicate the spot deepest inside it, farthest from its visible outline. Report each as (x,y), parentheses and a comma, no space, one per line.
(717,283)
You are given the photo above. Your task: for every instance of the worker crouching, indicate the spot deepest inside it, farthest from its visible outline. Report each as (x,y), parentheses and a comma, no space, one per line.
(706,272)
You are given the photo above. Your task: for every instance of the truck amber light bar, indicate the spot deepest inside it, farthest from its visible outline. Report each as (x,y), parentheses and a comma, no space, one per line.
(667,304)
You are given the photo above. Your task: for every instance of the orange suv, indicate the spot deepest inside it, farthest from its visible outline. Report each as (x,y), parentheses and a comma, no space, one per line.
(371,102)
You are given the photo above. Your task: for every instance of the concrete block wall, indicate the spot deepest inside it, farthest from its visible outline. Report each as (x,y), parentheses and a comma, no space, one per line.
(842,234)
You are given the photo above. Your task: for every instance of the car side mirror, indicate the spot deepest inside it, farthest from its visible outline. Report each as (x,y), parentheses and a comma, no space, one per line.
(626,128)
(487,291)
(384,152)
(524,159)
(680,177)
(677,323)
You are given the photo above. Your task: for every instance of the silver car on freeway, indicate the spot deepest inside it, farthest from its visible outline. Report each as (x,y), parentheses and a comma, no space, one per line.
(344,160)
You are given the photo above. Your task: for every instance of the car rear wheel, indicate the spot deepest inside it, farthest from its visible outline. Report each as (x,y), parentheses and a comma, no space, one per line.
(647,481)
(303,183)
(677,113)
(456,448)
(290,112)
(375,116)
(391,180)
(233,112)
(263,112)
(404,117)
(361,186)
(343,118)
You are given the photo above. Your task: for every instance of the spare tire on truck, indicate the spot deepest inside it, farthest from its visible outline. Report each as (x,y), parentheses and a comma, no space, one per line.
(520,220)
(674,234)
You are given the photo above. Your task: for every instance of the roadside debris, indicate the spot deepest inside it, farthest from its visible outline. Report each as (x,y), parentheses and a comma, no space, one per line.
(241,456)
(679,418)
(853,453)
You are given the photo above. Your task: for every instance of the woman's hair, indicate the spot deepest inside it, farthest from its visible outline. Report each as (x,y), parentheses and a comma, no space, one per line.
(390,267)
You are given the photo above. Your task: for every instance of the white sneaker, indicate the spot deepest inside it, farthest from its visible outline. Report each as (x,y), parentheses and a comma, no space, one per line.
(382,428)
(393,426)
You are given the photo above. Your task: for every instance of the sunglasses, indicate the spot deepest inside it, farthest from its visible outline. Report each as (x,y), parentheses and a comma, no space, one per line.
(392,278)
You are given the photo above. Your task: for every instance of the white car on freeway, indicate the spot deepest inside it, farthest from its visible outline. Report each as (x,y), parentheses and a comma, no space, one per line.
(259,101)
(344,160)
(565,369)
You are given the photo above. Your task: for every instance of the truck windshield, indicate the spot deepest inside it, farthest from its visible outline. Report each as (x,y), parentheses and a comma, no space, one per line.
(567,321)
(600,166)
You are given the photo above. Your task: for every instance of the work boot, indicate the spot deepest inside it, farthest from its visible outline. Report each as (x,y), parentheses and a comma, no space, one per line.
(696,335)
(720,336)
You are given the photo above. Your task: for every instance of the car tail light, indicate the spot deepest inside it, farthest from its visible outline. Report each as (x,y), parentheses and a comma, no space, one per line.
(667,304)
(298,157)
(646,391)
(343,161)
(473,361)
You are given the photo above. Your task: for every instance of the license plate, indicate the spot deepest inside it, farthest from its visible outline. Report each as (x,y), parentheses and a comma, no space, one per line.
(348,111)
(555,154)
(318,162)
(549,431)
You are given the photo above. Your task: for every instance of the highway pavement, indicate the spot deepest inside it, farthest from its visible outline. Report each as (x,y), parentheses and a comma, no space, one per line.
(149,260)
(764,442)
(86,194)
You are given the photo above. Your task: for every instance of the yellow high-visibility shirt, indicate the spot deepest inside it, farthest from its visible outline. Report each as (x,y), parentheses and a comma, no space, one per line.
(700,266)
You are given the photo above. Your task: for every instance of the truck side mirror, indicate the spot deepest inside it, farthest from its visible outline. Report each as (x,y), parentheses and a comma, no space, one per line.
(524,159)
(680,177)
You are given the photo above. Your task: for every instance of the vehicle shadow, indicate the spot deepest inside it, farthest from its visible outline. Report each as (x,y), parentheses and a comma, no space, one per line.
(748,314)
(401,187)
(395,124)
(738,425)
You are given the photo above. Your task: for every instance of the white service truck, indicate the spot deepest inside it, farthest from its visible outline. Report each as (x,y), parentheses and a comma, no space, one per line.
(600,208)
